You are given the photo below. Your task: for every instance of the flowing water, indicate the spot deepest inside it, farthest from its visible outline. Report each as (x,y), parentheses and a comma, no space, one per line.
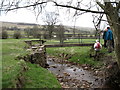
(74,76)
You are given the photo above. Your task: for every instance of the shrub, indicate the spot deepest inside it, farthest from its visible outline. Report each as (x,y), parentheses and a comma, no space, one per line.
(37,35)
(45,36)
(17,35)
(4,34)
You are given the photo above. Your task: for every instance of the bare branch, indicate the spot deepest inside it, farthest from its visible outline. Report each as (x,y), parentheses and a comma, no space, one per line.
(118,6)
(9,9)
(110,21)
(67,6)
(2,3)
(99,20)
(101,5)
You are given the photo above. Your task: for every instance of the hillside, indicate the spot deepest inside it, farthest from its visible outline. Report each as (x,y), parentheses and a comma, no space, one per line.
(80,29)
(19,25)
(30,25)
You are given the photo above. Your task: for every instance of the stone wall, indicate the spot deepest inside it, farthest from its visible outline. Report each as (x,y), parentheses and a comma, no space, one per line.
(37,55)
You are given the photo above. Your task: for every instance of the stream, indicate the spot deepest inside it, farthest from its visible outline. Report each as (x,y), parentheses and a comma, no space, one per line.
(71,76)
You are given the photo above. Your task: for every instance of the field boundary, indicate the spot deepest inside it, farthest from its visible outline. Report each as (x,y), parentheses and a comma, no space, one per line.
(68,45)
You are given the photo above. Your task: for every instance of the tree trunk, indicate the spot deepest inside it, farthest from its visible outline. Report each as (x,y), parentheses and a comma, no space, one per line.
(117,41)
(114,21)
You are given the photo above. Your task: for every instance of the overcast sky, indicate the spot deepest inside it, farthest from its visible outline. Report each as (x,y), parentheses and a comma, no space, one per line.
(27,16)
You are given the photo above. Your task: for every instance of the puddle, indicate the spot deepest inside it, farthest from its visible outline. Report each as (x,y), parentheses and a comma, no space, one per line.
(73,73)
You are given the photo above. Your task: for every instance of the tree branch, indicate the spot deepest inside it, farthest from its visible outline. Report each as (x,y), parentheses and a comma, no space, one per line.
(118,6)
(67,6)
(24,6)
(110,21)
(101,5)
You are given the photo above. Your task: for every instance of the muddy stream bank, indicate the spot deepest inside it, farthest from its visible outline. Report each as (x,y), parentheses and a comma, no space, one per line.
(73,76)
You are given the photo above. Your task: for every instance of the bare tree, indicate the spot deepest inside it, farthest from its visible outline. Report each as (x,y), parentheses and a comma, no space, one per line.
(60,33)
(50,19)
(4,34)
(28,32)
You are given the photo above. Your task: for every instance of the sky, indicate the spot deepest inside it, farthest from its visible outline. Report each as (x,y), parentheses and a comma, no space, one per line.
(27,16)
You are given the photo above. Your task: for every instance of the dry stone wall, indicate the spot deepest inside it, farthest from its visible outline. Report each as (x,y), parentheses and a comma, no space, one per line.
(37,55)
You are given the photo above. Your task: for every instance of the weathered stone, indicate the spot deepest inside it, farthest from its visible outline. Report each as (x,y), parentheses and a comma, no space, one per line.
(53,66)
(66,74)
(74,69)
(37,56)
(86,68)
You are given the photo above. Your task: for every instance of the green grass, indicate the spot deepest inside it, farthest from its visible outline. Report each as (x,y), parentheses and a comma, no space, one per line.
(70,41)
(11,68)
(10,49)
(41,79)
(79,54)
(82,40)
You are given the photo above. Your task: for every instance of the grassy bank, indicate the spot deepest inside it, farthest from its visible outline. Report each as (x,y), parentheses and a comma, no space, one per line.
(13,70)
(78,54)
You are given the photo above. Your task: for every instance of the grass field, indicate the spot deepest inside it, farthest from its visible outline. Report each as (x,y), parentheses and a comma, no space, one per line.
(73,41)
(82,40)
(12,69)
(70,41)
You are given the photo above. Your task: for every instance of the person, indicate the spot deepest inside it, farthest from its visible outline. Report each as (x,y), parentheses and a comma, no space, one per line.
(97,47)
(109,38)
(105,39)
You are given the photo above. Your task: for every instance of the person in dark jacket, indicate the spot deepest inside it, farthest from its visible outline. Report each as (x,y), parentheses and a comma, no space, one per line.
(109,34)
(105,39)
(109,38)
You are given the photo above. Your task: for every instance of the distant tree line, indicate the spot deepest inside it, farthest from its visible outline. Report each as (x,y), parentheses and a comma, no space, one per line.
(16,35)
(11,28)
(44,32)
